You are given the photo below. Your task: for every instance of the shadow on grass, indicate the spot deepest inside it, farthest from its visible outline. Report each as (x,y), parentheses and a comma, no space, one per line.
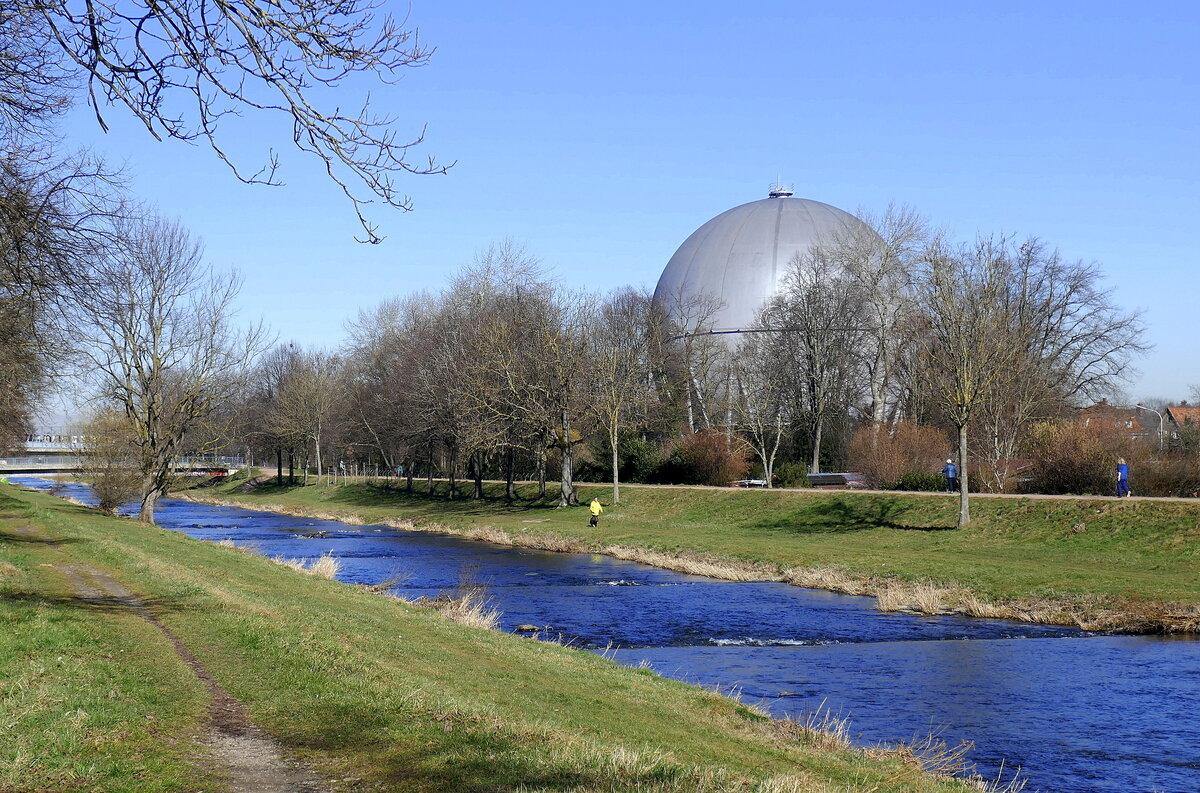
(440,754)
(36,539)
(843,515)
(92,603)
(419,500)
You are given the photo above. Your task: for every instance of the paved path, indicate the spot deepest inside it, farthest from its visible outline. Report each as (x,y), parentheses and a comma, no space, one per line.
(552,486)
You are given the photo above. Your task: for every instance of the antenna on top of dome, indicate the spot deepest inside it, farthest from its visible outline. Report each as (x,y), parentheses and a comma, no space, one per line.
(779,190)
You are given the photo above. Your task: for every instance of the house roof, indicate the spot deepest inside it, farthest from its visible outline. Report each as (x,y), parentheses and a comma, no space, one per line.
(1182,415)
(1133,421)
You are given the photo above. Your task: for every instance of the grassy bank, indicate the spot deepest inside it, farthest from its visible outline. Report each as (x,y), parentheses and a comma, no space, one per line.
(373,694)
(1129,565)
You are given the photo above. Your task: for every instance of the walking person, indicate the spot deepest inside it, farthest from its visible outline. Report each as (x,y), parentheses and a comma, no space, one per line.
(951,474)
(1122,478)
(595,509)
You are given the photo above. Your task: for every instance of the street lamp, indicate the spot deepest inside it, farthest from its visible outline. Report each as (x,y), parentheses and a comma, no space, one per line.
(1160,423)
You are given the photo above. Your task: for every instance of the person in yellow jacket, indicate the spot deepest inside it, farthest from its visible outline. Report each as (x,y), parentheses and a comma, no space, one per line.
(596,509)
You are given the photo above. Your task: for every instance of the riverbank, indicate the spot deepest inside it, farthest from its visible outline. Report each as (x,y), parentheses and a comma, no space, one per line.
(130,655)
(1129,565)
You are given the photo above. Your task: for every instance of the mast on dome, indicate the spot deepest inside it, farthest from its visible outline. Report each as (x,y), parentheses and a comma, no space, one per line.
(780,190)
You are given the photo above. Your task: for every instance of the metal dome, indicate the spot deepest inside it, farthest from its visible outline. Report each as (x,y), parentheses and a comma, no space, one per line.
(742,254)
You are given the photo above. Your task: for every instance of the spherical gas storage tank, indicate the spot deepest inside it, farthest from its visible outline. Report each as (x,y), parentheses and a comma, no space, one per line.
(741,256)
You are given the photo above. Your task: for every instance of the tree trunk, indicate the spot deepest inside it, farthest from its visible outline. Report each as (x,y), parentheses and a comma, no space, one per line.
(408,470)
(453,474)
(691,415)
(291,467)
(279,465)
(320,468)
(541,463)
(616,462)
(478,461)
(964,506)
(510,491)
(814,466)
(429,472)
(150,494)
(566,489)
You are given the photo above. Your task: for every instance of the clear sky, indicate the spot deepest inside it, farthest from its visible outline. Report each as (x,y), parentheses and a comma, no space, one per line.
(601,135)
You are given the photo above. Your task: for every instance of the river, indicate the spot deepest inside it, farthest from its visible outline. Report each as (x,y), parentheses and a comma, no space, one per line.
(1076,712)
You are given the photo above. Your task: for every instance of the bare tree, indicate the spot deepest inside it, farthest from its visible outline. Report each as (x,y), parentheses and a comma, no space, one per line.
(157,333)
(628,332)
(968,337)
(110,458)
(878,255)
(181,68)
(34,85)
(699,355)
(55,215)
(1071,342)
(304,406)
(761,393)
(819,311)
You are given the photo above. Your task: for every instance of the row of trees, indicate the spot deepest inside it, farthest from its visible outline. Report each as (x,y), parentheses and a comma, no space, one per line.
(504,373)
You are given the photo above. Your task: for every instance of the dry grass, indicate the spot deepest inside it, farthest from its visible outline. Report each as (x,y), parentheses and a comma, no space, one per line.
(469,608)
(324,566)
(9,571)
(828,578)
(693,565)
(932,756)
(919,598)
(489,534)
(821,728)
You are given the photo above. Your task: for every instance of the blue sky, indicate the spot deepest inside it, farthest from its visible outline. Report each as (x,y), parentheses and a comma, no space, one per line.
(601,135)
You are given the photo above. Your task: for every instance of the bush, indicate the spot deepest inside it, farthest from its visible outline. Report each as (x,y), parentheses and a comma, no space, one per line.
(639,460)
(1176,474)
(791,474)
(922,481)
(715,459)
(110,460)
(704,458)
(886,455)
(1072,457)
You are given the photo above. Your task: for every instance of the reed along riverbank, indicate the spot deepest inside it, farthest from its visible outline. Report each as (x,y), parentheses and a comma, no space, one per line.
(1130,565)
(116,636)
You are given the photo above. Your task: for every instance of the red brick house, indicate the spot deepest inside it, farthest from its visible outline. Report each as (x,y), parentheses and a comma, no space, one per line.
(1131,421)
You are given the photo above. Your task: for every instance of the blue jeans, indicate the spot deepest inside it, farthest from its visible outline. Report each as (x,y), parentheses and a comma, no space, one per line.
(1122,488)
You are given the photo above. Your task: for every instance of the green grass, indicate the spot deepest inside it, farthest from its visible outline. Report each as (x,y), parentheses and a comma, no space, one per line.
(1119,551)
(361,686)
(90,699)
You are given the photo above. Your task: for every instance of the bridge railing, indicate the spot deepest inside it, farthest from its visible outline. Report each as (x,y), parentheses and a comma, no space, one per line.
(73,462)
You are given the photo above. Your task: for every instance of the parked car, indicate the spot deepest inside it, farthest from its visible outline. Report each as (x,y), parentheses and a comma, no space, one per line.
(838,481)
(749,483)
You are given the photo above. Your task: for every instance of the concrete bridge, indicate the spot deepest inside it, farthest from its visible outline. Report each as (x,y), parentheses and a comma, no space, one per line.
(58,451)
(68,463)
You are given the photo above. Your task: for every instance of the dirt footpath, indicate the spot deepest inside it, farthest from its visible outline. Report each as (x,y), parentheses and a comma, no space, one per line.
(244,754)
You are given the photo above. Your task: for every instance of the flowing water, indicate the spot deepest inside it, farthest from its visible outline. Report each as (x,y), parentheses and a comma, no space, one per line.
(1077,712)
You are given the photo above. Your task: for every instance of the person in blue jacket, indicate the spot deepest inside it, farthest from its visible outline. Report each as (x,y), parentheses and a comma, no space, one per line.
(1122,478)
(951,474)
